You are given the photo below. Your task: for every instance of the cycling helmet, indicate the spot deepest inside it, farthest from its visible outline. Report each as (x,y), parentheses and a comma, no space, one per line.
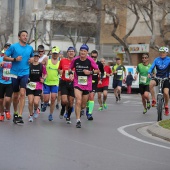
(164,49)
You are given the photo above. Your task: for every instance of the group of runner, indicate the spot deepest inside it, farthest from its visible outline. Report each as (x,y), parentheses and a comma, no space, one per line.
(40,77)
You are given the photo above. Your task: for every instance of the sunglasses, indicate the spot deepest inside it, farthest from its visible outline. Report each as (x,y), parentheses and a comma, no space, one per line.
(144,57)
(93,56)
(40,51)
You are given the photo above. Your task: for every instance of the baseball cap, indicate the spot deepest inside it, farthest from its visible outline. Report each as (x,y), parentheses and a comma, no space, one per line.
(55,50)
(84,47)
(71,48)
(36,54)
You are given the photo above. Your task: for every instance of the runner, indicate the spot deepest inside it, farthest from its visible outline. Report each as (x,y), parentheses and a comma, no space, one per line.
(142,70)
(51,82)
(6,46)
(117,71)
(84,66)
(35,85)
(103,87)
(66,86)
(6,89)
(20,54)
(90,103)
(162,65)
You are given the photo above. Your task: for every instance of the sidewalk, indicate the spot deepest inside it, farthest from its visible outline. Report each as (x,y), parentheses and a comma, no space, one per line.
(159,131)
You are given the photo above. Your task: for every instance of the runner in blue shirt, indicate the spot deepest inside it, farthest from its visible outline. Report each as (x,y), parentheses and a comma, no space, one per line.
(20,54)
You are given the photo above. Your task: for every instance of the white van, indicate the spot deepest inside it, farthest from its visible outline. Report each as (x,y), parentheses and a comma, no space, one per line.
(132,69)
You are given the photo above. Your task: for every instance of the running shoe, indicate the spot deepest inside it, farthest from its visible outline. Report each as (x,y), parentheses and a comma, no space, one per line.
(30,119)
(68,121)
(35,115)
(50,117)
(61,114)
(20,120)
(90,117)
(57,106)
(65,115)
(166,111)
(153,103)
(144,111)
(105,106)
(2,118)
(78,124)
(15,118)
(8,115)
(148,105)
(44,107)
(100,108)
(119,97)
(81,113)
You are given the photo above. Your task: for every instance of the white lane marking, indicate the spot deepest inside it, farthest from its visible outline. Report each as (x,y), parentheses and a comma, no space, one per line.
(122,131)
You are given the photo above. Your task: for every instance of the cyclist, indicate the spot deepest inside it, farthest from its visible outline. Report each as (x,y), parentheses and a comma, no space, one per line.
(103,88)
(142,70)
(66,85)
(162,65)
(85,67)
(51,82)
(20,54)
(117,71)
(90,103)
(35,85)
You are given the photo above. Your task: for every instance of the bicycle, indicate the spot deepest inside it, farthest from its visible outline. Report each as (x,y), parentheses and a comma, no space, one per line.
(160,98)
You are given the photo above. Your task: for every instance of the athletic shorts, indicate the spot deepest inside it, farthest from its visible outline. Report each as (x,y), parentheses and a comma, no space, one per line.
(19,82)
(33,92)
(5,89)
(117,83)
(94,87)
(67,88)
(49,89)
(165,85)
(85,92)
(143,88)
(101,89)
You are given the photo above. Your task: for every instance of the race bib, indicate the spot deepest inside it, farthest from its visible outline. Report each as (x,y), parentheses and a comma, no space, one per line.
(31,85)
(119,72)
(6,73)
(82,80)
(143,79)
(67,75)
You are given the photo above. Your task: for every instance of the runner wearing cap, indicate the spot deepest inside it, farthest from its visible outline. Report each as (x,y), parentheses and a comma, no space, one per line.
(51,82)
(84,67)
(35,84)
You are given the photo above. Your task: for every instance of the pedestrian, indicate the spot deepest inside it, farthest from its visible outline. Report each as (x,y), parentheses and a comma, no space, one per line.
(51,83)
(117,71)
(129,80)
(84,67)
(34,87)
(102,88)
(20,54)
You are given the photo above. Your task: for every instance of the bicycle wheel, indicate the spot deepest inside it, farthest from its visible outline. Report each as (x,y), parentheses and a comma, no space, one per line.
(159,106)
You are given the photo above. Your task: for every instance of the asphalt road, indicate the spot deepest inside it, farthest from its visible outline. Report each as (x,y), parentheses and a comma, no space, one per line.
(110,142)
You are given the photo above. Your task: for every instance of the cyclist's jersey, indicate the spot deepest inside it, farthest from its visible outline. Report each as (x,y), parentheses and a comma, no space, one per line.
(162,66)
(81,80)
(120,69)
(143,73)
(95,76)
(65,66)
(4,71)
(52,78)
(20,68)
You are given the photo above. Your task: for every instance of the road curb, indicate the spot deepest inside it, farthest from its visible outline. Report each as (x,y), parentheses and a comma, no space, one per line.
(159,131)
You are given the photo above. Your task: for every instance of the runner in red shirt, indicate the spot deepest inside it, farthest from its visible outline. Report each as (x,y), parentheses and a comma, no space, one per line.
(66,85)
(103,88)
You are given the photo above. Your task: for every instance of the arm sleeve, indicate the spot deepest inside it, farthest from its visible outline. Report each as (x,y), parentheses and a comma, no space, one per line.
(152,67)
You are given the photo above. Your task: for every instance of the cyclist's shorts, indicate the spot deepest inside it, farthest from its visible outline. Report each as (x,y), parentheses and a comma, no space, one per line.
(165,85)
(143,88)
(19,82)
(6,89)
(49,89)
(101,89)
(117,83)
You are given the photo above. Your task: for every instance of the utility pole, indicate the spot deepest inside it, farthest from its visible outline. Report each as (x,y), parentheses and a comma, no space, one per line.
(16,22)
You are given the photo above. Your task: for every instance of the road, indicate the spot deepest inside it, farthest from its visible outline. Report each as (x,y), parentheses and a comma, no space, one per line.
(111,142)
